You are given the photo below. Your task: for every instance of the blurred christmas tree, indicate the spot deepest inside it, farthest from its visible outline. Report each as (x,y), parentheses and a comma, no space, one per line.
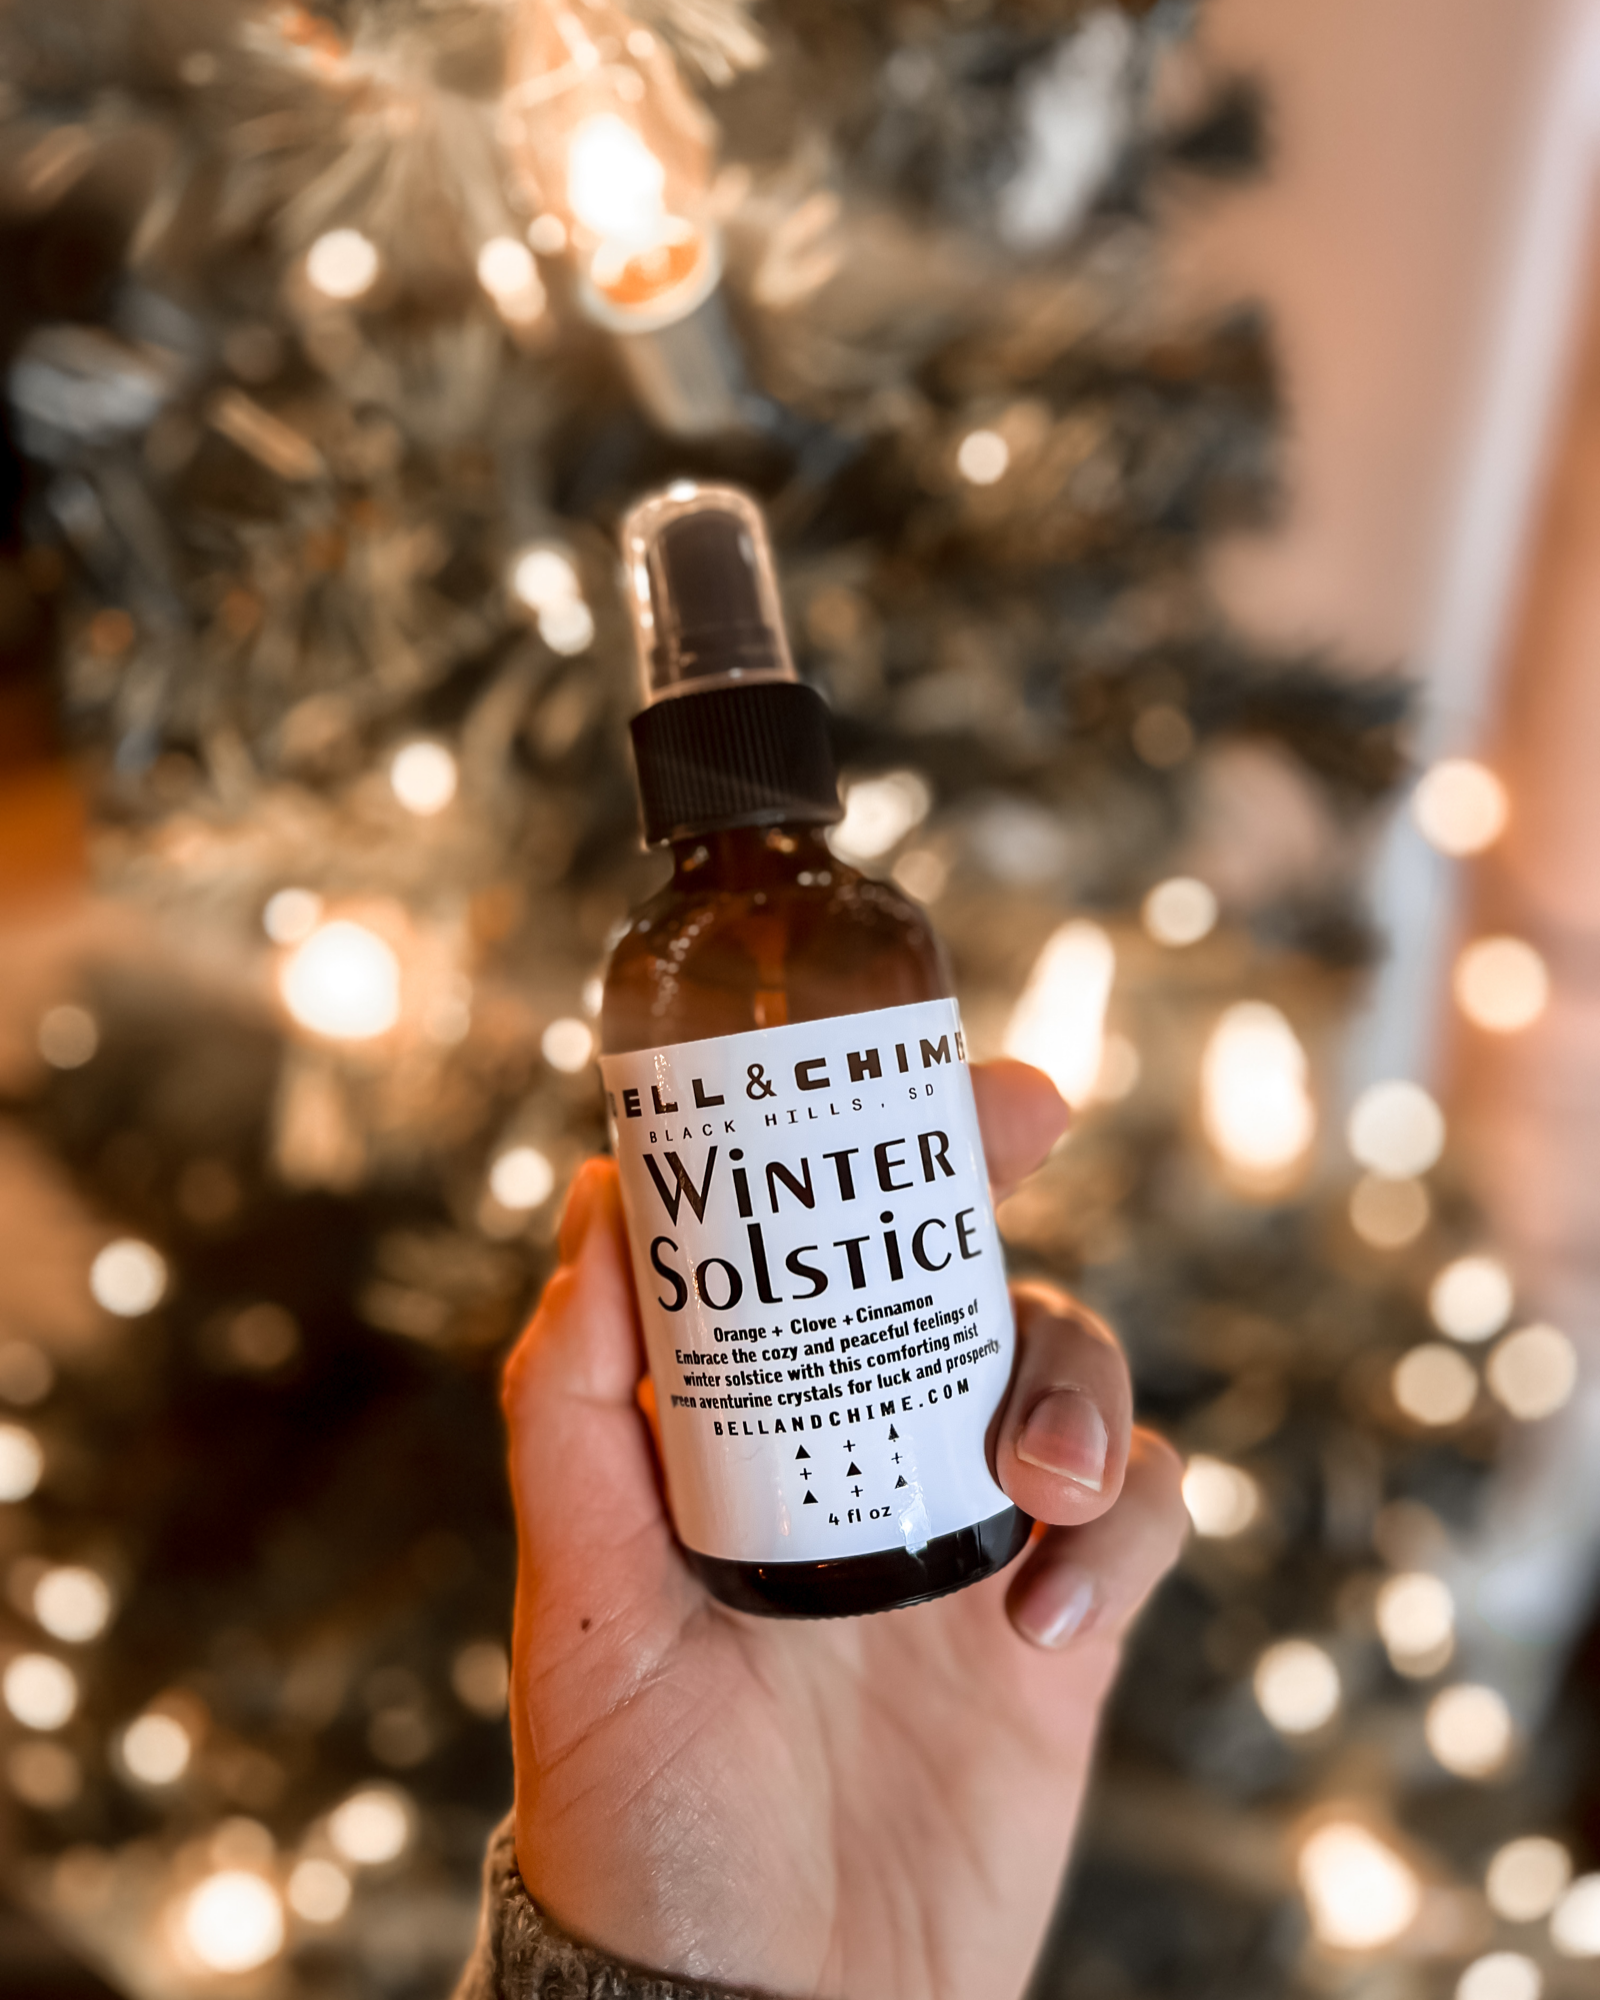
(338,341)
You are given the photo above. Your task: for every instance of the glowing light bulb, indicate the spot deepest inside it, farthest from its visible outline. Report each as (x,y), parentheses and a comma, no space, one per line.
(1527,1878)
(1297,1685)
(21,1462)
(423,777)
(521,1178)
(1396,1129)
(1501,984)
(983,458)
(507,272)
(1389,1214)
(879,813)
(1434,1385)
(1575,1924)
(1255,1105)
(318,1890)
(343,982)
(232,1921)
(567,1044)
(40,1690)
(1180,911)
(1058,1024)
(290,915)
(156,1749)
(1460,806)
(72,1603)
(1471,1298)
(1533,1372)
(1469,1730)
(1222,1500)
(372,1826)
(343,264)
(1359,1892)
(128,1278)
(615,184)
(68,1037)
(1501,1975)
(1416,1621)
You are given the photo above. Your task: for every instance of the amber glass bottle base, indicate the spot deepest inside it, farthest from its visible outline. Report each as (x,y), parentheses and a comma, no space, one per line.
(857,1584)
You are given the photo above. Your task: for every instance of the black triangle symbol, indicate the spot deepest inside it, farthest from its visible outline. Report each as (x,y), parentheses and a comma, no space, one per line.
(901,1480)
(802,1453)
(894,1435)
(852,1470)
(809,1501)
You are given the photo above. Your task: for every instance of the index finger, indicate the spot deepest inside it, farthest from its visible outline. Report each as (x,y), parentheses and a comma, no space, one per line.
(1021,1115)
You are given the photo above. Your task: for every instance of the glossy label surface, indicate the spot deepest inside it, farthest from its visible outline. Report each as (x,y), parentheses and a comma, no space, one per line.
(820,1281)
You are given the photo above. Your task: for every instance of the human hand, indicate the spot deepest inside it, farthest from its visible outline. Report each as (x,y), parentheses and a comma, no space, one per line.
(868,1806)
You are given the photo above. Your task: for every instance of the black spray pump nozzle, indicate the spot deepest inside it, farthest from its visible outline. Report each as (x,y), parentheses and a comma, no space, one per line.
(703,593)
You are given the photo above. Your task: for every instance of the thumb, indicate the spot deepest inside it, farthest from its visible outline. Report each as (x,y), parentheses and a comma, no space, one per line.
(592,1531)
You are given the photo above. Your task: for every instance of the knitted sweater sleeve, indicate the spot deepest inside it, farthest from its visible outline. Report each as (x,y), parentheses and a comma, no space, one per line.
(521,1955)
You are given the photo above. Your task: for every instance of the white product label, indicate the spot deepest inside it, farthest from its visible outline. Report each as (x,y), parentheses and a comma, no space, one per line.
(820,1280)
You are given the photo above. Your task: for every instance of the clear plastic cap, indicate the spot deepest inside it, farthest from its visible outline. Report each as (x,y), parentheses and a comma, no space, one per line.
(703,591)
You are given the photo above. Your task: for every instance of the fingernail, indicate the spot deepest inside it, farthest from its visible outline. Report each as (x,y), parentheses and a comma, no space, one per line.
(1066,1434)
(579,1213)
(1055,1607)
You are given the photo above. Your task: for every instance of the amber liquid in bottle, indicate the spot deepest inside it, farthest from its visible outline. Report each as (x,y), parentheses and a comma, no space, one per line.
(761,927)
(760,931)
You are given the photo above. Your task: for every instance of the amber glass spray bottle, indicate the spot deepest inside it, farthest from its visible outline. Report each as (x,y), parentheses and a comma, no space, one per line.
(819,1277)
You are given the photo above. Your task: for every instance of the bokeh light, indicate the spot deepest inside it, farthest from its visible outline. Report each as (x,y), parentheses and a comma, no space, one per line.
(1389,1214)
(543,576)
(1533,1371)
(343,264)
(1501,1975)
(233,1921)
(1359,1892)
(1526,1878)
(67,1036)
(156,1749)
(481,1676)
(568,627)
(1471,1298)
(72,1603)
(1396,1129)
(1297,1685)
(879,813)
(983,457)
(1180,911)
(343,982)
(40,1690)
(1434,1385)
(1460,806)
(21,1462)
(507,272)
(1575,1922)
(1501,984)
(1255,1103)
(1469,1730)
(1222,1499)
(1058,1024)
(318,1890)
(1416,1620)
(291,915)
(423,777)
(521,1177)
(567,1044)
(372,1826)
(128,1277)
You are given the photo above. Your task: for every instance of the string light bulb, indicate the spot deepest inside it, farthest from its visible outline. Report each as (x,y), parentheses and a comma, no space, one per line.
(232,1921)
(1058,1024)
(342,982)
(1527,1878)
(1255,1102)
(1360,1893)
(621,155)
(1461,806)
